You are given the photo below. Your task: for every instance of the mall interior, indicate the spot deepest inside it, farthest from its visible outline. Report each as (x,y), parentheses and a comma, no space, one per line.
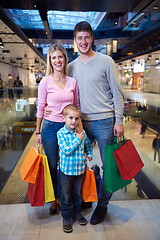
(129,32)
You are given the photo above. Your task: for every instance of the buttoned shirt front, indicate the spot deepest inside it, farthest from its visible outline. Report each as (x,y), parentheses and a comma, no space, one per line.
(72,152)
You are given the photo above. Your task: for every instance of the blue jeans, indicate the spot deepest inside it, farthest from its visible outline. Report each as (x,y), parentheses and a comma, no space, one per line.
(102,131)
(50,144)
(70,195)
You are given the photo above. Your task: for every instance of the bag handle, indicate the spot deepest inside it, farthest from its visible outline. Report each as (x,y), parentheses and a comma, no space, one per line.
(119,140)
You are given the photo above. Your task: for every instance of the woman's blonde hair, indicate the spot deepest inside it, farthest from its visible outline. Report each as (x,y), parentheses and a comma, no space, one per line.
(52,49)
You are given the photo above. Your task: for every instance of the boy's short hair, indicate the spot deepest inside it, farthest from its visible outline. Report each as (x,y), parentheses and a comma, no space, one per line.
(71,107)
(83,26)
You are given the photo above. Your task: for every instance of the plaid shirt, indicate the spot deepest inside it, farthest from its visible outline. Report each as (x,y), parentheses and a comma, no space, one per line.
(72,152)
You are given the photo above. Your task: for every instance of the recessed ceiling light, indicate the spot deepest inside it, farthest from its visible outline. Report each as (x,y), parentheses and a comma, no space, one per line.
(155,8)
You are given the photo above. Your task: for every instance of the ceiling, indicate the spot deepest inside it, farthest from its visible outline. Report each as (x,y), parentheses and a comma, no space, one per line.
(135,24)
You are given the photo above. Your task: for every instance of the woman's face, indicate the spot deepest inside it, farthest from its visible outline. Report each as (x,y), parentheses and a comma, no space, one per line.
(58,61)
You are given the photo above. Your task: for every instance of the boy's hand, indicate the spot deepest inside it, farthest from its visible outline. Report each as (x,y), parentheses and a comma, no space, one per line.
(88,159)
(80,135)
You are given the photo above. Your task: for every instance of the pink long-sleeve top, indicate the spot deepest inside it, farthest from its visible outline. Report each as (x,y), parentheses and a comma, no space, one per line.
(56,98)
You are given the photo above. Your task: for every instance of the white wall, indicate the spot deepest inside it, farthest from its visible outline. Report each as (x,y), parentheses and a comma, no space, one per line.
(15,71)
(155,80)
(4,70)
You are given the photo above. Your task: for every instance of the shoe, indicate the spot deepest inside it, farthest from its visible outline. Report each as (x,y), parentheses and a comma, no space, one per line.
(67,227)
(98,215)
(85,205)
(81,220)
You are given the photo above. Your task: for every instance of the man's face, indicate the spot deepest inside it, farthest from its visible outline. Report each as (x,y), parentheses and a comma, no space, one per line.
(72,119)
(84,42)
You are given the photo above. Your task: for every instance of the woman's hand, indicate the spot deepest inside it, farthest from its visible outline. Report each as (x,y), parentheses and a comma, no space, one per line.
(38,139)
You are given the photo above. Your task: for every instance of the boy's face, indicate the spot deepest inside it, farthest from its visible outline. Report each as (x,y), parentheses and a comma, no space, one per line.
(72,119)
(84,42)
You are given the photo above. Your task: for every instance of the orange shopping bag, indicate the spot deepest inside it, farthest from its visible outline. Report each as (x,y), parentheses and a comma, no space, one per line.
(89,189)
(30,166)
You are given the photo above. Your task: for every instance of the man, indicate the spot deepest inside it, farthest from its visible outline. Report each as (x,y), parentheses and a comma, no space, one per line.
(101,100)
(156,146)
(10,83)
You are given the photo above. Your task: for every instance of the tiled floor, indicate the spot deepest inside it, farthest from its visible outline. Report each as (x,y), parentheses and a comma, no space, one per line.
(126,220)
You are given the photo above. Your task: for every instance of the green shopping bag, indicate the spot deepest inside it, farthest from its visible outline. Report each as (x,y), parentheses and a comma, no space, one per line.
(112,177)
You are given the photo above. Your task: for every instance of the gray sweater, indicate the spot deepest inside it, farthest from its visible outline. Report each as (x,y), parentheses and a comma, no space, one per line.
(100,93)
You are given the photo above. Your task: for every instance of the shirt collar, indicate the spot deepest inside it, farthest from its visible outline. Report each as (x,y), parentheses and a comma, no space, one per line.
(67,130)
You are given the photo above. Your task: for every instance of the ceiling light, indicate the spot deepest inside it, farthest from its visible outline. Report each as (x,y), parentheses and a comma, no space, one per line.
(155,8)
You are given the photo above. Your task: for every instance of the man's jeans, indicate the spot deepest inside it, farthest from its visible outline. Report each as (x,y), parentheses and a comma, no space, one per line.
(70,195)
(50,144)
(157,151)
(102,131)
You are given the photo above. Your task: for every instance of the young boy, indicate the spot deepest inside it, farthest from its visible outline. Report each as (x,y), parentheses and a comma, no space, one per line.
(75,150)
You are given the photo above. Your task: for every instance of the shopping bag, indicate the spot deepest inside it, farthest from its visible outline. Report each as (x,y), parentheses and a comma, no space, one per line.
(112,178)
(48,186)
(128,160)
(30,166)
(89,190)
(35,191)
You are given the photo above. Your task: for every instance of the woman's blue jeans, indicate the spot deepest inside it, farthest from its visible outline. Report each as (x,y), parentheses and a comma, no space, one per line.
(50,144)
(70,195)
(102,131)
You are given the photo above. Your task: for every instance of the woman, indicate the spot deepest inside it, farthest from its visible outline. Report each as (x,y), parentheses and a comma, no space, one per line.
(57,90)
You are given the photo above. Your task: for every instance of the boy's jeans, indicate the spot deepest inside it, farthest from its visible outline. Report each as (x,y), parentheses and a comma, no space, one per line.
(102,131)
(70,195)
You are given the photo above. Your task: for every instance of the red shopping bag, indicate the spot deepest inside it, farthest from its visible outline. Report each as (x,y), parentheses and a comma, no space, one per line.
(89,189)
(128,160)
(30,166)
(35,192)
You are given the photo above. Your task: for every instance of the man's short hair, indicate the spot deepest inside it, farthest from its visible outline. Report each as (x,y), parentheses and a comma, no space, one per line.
(83,26)
(71,107)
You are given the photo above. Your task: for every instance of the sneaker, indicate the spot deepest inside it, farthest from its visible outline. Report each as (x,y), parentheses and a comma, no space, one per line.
(67,227)
(98,215)
(81,219)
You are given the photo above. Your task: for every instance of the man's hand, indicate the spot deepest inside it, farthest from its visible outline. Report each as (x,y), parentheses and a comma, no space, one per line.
(47,112)
(118,130)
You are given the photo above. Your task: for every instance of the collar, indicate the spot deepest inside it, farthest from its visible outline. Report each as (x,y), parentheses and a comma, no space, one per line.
(66,130)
